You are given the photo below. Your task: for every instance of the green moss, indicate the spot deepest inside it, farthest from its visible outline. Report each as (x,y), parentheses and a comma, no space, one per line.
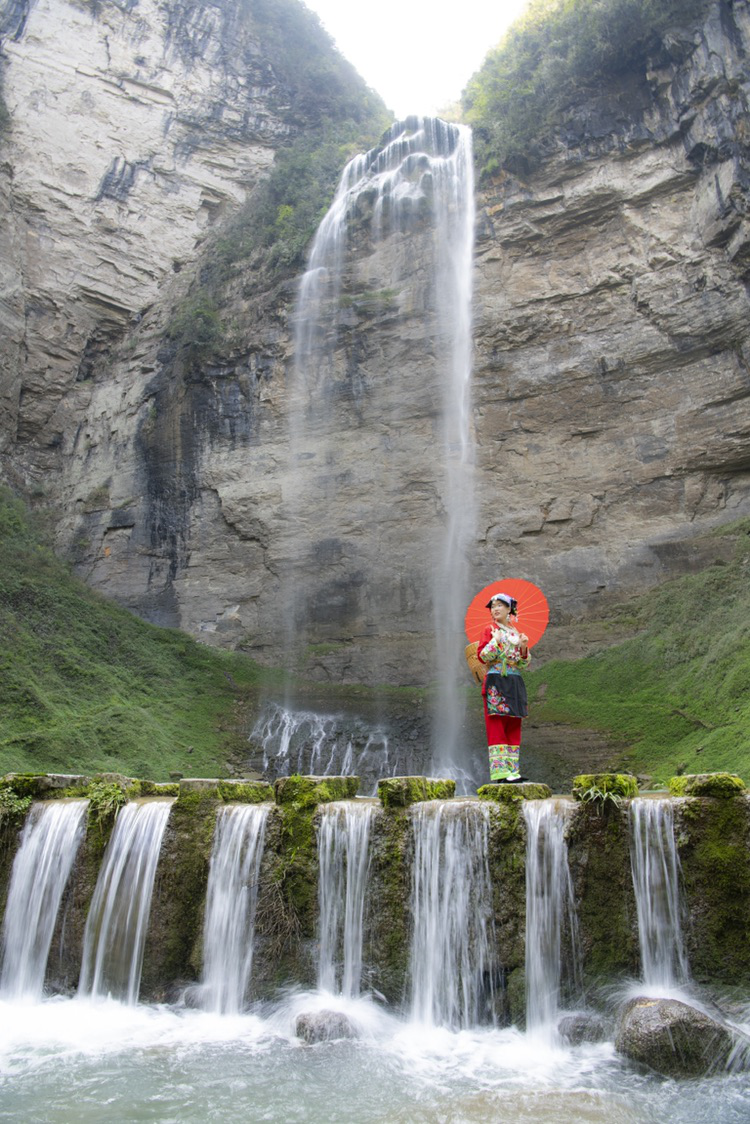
(621,785)
(400,792)
(720,785)
(161,788)
(714,845)
(510,793)
(245,792)
(306,792)
(387,946)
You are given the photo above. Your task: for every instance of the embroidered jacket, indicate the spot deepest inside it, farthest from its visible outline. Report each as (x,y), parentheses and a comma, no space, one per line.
(505,651)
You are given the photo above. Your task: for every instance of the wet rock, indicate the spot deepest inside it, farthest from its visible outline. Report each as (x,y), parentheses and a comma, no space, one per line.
(314,790)
(581,1027)
(721,785)
(672,1037)
(324,1026)
(510,793)
(399,792)
(622,785)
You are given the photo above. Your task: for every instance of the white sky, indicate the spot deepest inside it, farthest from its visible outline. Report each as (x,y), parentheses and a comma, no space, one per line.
(416,58)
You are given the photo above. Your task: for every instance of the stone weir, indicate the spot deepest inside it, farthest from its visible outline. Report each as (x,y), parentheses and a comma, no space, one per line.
(711,836)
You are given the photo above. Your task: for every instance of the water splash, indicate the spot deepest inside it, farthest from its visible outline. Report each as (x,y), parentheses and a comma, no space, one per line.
(306,742)
(51,836)
(451,959)
(417,182)
(231,899)
(344,861)
(656,881)
(115,933)
(550,912)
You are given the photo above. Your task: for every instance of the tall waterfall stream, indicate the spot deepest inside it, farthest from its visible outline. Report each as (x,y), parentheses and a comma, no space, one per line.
(440,1058)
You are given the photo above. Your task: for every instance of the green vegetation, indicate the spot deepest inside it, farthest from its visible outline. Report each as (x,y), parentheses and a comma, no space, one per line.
(553,58)
(86,685)
(678,692)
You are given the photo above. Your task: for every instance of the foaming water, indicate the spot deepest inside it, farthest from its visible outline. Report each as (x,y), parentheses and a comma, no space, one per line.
(550,912)
(343,865)
(656,882)
(51,836)
(164,1064)
(115,933)
(450,963)
(231,899)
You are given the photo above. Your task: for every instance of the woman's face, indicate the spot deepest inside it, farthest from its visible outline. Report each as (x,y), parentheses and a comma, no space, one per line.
(500,612)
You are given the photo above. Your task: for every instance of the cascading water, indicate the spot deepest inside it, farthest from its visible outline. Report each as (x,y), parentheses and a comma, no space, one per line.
(231,899)
(304,741)
(116,925)
(344,860)
(345,480)
(550,912)
(656,881)
(49,844)
(451,959)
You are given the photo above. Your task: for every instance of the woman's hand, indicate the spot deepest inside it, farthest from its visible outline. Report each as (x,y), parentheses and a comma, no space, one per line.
(523,640)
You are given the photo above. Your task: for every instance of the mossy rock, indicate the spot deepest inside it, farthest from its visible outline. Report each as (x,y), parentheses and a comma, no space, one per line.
(159,788)
(623,785)
(719,785)
(304,792)
(400,792)
(512,793)
(245,792)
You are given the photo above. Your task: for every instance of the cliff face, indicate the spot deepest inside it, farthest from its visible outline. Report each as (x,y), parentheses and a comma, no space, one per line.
(611,376)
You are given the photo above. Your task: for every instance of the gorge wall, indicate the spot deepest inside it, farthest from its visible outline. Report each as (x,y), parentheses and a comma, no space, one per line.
(611,382)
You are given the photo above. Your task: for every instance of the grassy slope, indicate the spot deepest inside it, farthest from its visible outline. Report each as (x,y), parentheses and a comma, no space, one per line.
(678,692)
(87,687)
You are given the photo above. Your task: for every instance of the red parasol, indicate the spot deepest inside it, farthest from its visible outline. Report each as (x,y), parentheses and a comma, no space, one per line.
(533,610)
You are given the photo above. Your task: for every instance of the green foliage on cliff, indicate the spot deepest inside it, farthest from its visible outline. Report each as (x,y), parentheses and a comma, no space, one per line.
(678,692)
(552,58)
(86,686)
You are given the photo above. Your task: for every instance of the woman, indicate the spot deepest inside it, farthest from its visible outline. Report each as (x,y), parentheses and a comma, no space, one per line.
(503,650)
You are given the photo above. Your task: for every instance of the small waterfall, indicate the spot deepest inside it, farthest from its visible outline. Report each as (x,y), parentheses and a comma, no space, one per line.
(344,860)
(550,912)
(369,438)
(451,905)
(656,881)
(304,741)
(116,925)
(231,898)
(51,836)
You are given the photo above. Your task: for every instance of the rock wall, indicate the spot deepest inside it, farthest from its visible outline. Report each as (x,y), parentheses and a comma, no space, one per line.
(711,834)
(611,380)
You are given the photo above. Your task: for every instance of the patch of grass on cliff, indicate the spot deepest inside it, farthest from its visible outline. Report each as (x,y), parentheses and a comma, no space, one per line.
(87,687)
(678,693)
(555,56)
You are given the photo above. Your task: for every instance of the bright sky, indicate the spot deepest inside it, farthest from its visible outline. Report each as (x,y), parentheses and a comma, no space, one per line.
(416,59)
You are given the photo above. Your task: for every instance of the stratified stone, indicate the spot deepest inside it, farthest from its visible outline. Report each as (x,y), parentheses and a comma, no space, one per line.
(721,785)
(509,793)
(245,792)
(324,1026)
(623,785)
(306,791)
(400,792)
(672,1037)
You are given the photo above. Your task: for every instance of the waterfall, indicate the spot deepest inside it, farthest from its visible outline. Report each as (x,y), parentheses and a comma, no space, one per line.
(344,860)
(51,836)
(550,911)
(451,905)
(306,742)
(231,898)
(656,881)
(368,438)
(117,921)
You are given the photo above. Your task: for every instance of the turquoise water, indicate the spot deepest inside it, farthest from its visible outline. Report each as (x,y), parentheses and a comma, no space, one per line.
(65,1060)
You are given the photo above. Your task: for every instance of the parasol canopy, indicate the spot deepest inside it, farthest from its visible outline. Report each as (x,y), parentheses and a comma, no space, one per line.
(533,610)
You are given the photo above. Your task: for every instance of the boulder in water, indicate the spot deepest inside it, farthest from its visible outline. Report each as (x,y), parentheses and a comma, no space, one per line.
(583,1026)
(324,1026)
(672,1038)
